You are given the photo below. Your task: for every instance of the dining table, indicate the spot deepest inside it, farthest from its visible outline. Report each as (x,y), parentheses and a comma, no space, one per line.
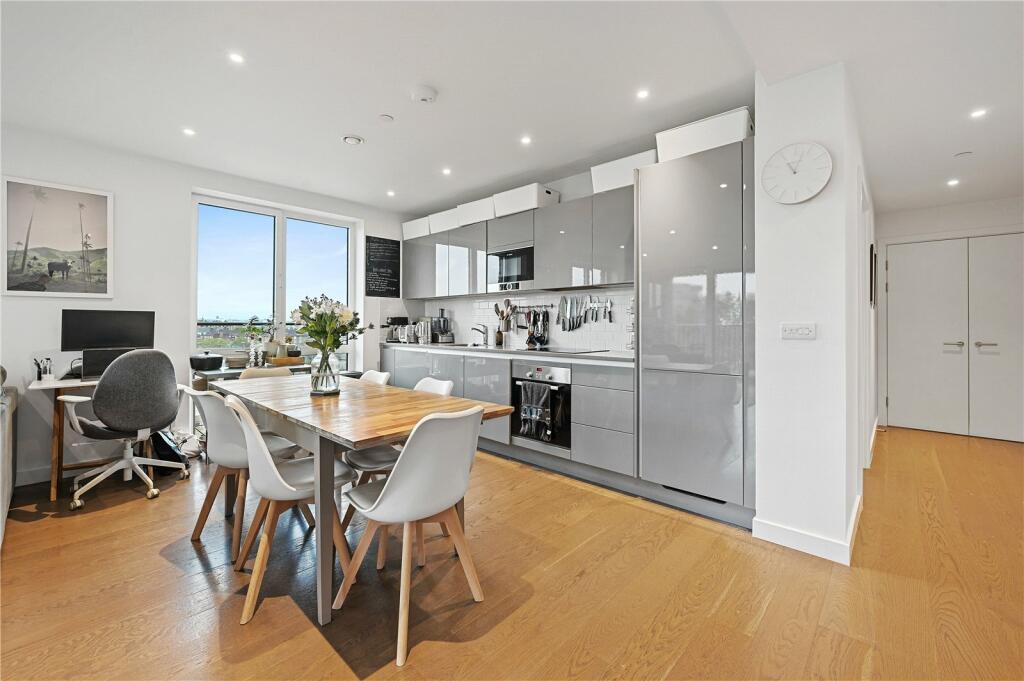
(362,414)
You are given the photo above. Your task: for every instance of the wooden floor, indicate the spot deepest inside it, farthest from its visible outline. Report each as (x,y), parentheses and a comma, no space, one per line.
(580,583)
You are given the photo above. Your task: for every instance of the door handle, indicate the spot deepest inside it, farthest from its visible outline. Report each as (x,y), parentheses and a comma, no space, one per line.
(959,344)
(979,344)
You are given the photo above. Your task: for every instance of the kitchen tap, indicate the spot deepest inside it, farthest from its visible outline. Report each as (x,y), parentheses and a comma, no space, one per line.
(482,330)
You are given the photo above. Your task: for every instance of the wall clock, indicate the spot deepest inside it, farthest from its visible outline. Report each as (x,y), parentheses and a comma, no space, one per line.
(796,172)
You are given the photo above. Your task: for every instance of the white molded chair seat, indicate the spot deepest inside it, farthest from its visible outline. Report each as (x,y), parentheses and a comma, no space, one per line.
(300,475)
(429,479)
(378,377)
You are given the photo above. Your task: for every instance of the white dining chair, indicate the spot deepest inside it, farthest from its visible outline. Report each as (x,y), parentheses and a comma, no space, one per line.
(378,461)
(281,485)
(430,477)
(263,372)
(226,448)
(378,377)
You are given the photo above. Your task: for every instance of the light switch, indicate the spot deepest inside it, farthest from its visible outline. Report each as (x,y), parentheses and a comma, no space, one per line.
(799,331)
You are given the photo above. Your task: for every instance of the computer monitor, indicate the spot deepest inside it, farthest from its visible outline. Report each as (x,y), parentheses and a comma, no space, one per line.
(90,329)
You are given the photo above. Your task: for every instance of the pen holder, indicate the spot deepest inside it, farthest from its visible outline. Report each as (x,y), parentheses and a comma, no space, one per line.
(46,377)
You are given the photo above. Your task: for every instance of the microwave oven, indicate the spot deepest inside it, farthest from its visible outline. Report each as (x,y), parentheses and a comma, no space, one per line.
(510,270)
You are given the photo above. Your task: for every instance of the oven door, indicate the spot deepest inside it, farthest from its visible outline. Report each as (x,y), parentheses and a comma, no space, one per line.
(510,270)
(549,424)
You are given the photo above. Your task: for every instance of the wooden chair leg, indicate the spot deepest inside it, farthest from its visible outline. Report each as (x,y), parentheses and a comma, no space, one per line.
(350,513)
(254,531)
(242,477)
(421,550)
(308,515)
(382,548)
(444,530)
(344,557)
(357,560)
(467,560)
(211,495)
(260,566)
(403,599)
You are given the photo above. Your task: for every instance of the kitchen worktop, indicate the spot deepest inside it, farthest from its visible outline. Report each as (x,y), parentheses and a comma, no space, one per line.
(607,357)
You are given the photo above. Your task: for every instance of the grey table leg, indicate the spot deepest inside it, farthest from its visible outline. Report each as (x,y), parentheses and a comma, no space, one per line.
(324,498)
(230,492)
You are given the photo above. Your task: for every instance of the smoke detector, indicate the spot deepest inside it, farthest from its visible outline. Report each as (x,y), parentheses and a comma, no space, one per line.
(423,94)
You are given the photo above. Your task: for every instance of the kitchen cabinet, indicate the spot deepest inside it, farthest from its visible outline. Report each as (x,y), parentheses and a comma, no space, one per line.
(563,254)
(445,367)
(616,378)
(607,449)
(603,408)
(425,266)
(511,230)
(387,361)
(490,379)
(467,260)
(613,237)
(410,367)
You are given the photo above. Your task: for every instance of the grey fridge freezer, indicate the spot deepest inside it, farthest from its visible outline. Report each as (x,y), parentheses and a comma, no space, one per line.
(695,323)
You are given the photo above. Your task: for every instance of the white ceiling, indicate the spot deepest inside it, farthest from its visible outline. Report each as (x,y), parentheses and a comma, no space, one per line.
(131,75)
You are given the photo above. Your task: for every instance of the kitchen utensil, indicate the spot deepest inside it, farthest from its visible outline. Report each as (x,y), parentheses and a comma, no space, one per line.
(608,310)
(497,310)
(207,361)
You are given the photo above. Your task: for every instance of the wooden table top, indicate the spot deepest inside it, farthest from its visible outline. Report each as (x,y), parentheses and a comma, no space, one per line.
(362,415)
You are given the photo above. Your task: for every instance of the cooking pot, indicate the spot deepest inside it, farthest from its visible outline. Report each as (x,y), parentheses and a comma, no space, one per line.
(206,361)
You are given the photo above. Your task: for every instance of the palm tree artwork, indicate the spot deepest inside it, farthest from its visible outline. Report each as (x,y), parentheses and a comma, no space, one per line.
(85,239)
(39,195)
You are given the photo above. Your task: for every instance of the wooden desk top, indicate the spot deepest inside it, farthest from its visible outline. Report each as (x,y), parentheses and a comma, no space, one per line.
(362,415)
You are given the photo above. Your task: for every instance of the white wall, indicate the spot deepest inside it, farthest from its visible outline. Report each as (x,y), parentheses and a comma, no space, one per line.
(153,245)
(808,261)
(976,218)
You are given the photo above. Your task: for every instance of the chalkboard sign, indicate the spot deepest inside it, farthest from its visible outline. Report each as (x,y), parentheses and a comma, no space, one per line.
(383,267)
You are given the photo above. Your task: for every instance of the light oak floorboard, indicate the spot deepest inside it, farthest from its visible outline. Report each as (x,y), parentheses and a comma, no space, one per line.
(581,583)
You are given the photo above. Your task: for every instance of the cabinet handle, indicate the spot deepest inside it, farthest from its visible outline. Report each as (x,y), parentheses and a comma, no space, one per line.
(979,344)
(959,344)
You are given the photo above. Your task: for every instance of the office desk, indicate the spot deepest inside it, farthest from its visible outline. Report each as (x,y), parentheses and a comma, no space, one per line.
(57,467)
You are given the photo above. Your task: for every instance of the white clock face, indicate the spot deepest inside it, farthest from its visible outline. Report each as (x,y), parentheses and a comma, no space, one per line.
(797,172)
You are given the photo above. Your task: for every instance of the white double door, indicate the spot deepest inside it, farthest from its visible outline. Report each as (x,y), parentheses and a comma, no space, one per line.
(955,319)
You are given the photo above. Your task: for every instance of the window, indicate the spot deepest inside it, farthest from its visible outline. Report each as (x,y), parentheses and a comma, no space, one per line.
(259,262)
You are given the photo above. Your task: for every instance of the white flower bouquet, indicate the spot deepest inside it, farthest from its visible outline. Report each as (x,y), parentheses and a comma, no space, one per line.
(329,324)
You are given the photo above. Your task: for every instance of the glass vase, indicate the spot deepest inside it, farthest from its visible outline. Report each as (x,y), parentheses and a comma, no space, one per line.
(324,378)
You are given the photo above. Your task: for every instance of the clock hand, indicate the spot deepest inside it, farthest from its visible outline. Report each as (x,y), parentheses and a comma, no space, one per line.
(791,168)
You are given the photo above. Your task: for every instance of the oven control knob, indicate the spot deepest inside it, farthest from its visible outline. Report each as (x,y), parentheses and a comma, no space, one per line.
(529,374)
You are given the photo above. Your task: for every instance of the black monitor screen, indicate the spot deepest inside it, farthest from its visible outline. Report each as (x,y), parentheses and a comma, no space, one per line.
(84,329)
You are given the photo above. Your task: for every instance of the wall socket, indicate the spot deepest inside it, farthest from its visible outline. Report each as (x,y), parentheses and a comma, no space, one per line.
(799,331)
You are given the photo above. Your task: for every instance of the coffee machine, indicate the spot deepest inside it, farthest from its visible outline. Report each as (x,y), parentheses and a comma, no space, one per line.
(393,324)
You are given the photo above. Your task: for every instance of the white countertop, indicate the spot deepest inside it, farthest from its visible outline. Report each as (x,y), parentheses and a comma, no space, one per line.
(606,358)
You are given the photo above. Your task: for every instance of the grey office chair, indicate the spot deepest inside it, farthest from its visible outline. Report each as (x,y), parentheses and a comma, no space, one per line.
(136,396)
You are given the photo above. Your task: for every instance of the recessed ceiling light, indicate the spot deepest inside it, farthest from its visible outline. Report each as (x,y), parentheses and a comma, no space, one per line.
(561,231)
(188,132)
(962,154)
(446,171)
(714,248)
(952,183)
(645,255)
(236,57)
(979,113)
(352,139)
(391,192)
(722,186)
(643,94)
(386,118)
(671,231)
(622,245)
(525,140)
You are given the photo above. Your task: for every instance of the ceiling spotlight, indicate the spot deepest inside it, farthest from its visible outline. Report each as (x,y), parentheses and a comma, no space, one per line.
(391,192)
(962,154)
(952,183)
(352,139)
(979,113)
(671,231)
(236,58)
(386,118)
(714,248)
(446,171)
(622,245)
(643,94)
(525,140)
(722,186)
(561,231)
(188,132)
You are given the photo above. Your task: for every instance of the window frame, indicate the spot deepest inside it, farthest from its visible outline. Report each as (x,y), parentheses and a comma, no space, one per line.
(280,213)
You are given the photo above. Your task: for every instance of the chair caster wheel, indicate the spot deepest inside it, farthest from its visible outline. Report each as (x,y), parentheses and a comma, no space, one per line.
(76,504)
(153,493)
(184,474)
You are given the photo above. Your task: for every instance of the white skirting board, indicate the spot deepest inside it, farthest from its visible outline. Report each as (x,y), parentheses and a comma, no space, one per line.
(814,544)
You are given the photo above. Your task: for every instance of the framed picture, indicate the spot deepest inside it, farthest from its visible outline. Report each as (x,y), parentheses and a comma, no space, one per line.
(58,240)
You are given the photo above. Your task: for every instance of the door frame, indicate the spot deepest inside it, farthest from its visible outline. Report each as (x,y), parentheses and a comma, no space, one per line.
(883,244)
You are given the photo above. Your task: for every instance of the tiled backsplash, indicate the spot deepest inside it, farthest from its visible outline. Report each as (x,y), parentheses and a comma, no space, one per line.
(599,335)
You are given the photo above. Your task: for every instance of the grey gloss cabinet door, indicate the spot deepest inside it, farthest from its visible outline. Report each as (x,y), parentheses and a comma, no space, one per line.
(387,361)
(490,379)
(563,254)
(425,266)
(691,432)
(690,293)
(607,449)
(410,367)
(510,230)
(448,368)
(613,237)
(467,259)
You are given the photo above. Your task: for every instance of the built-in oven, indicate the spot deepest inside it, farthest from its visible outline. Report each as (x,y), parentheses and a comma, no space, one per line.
(542,398)
(510,270)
